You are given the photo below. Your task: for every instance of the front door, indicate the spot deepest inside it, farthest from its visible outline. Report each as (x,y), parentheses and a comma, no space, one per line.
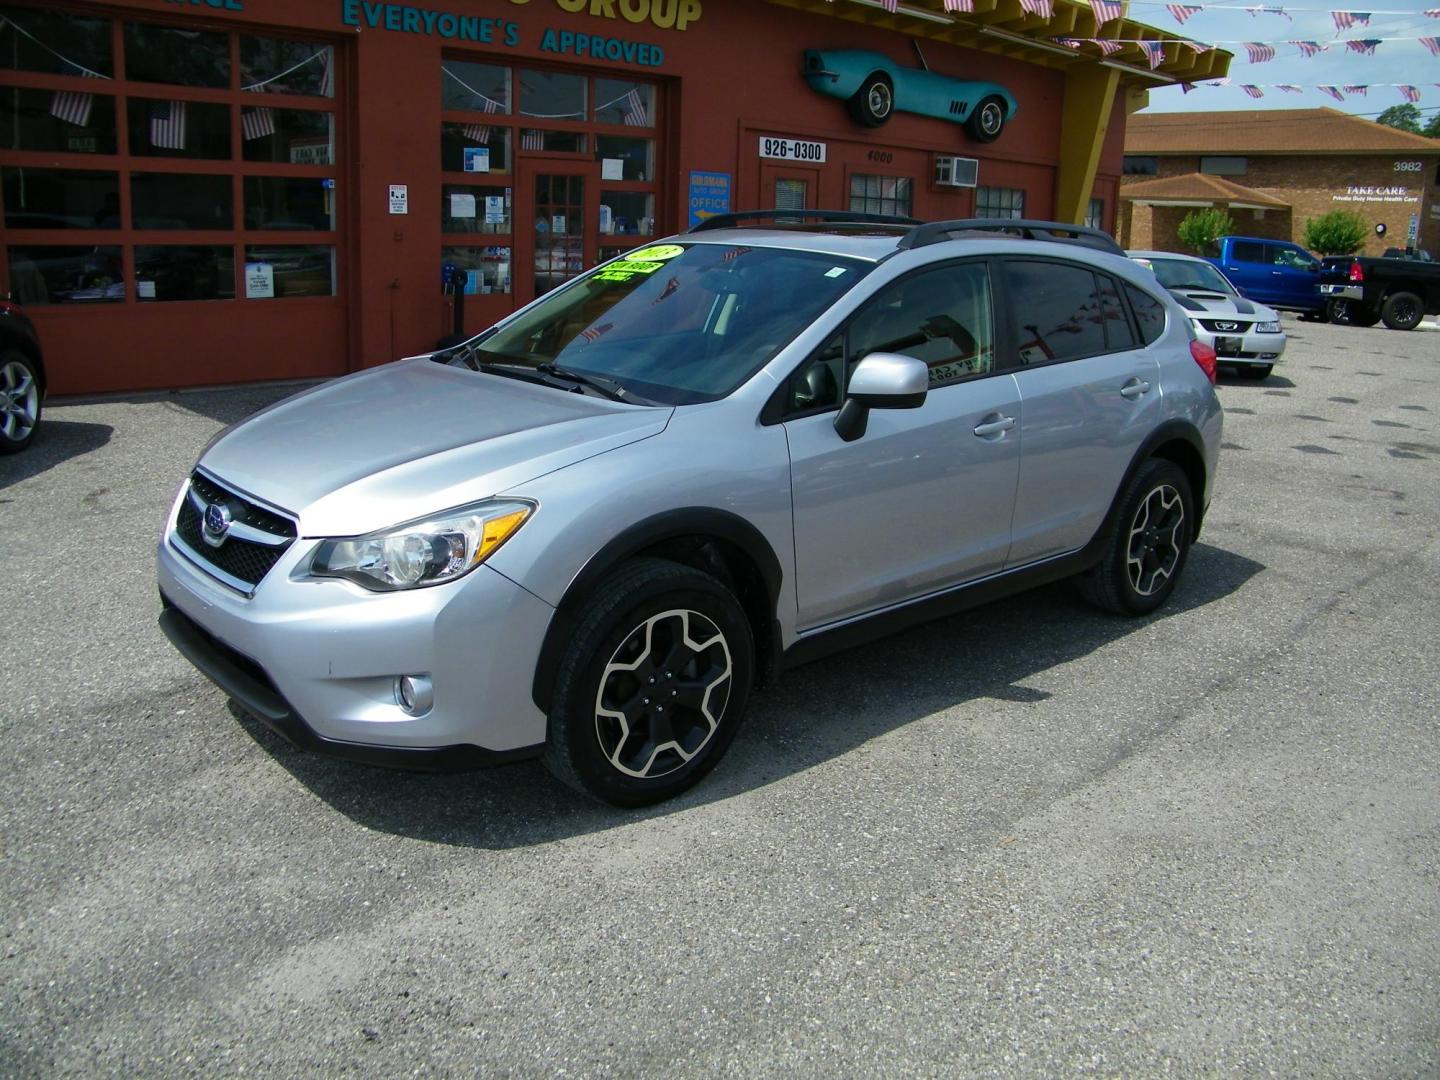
(557,218)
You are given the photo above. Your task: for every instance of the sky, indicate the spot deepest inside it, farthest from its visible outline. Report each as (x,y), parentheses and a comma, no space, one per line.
(1228,21)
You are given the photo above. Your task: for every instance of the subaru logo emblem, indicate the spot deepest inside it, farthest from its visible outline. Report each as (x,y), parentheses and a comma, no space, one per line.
(1227,326)
(217,523)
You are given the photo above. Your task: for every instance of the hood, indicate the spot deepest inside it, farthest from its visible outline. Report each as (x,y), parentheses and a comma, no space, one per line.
(413,438)
(1222,305)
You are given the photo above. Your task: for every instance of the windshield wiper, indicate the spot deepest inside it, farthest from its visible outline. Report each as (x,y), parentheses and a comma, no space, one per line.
(609,387)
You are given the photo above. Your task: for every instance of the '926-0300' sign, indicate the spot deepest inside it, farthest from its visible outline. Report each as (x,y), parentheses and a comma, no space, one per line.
(792,149)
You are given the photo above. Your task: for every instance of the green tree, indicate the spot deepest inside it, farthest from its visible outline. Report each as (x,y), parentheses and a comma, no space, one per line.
(1433,127)
(1199,230)
(1340,232)
(1406,117)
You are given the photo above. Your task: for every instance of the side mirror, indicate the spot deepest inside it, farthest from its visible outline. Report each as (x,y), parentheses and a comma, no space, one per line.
(881,381)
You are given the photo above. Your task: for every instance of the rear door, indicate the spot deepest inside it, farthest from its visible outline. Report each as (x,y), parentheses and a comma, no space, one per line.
(1089,393)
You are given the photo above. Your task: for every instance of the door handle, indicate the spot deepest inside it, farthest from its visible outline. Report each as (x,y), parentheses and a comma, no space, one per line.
(1134,388)
(994,424)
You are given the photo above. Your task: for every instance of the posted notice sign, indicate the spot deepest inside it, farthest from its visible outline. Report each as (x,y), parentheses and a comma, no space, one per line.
(399,198)
(259,280)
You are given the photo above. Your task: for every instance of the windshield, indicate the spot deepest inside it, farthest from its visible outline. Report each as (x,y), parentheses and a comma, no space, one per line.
(1184,274)
(676,323)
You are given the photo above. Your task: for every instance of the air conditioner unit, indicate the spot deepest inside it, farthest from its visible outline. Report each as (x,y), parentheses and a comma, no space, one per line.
(956,171)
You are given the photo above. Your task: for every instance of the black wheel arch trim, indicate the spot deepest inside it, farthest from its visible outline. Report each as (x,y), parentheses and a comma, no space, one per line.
(694,521)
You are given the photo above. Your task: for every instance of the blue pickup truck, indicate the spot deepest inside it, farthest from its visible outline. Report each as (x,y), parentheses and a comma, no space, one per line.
(1274,272)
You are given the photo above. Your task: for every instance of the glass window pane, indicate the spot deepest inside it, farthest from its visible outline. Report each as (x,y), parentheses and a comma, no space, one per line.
(188,272)
(66,275)
(291,135)
(1061,319)
(636,156)
(1149,313)
(55,43)
(466,208)
(940,316)
(280,66)
(487,268)
(181,57)
(620,101)
(287,202)
(60,198)
(455,139)
(627,213)
(66,121)
(482,88)
(295,269)
(790,195)
(181,201)
(564,142)
(551,95)
(184,129)
(1118,334)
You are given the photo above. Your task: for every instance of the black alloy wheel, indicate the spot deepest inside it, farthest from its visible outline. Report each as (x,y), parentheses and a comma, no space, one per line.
(1147,544)
(653,686)
(1402,311)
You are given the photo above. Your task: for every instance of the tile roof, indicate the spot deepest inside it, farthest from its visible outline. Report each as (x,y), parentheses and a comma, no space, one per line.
(1268,131)
(1198,187)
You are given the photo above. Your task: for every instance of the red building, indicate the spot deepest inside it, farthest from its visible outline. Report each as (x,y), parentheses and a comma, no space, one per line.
(217,191)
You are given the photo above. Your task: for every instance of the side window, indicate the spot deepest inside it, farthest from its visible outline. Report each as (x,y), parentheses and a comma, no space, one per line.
(1057,311)
(1149,313)
(942,316)
(1249,251)
(1118,335)
(1293,257)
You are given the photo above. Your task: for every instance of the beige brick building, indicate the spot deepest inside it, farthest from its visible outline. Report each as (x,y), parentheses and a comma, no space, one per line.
(1272,170)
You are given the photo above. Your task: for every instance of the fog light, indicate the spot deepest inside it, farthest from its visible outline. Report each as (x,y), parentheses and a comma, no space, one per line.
(414,694)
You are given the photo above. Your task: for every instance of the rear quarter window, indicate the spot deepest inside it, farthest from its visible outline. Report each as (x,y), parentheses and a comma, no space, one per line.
(1248,251)
(1149,314)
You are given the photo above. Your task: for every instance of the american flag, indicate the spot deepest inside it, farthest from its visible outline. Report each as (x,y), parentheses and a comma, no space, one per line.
(1333,91)
(1259,53)
(1269,11)
(1288,88)
(1109,48)
(1357,89)
(1154,53)
(891,6)
(1346,19)
(671,288)
(72,107)
(1105,10)
(1068,42)
(327,71)
(1364,47)
(967,6)
(1186,87)
(1409,93)
(636,112)
(1433,12)
(1197,47)
(1308,48)
(1182,11)
(532,139)
(481,132)
(1253,91)
(167,125)
(595,333)
(257,123)
(1431,43)
(1044,8)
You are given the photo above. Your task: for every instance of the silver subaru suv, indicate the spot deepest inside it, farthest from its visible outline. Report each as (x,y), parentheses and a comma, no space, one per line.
(590,532)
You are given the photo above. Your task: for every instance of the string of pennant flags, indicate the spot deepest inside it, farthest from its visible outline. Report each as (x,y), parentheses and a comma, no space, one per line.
(1336,91)
(1110,10)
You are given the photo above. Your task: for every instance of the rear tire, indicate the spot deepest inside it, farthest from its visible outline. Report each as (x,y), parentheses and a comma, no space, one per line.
(1147,543)
(1402,311)
(20,401)
(652,686)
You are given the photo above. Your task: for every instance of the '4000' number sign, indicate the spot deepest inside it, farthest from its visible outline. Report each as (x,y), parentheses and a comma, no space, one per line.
(792,150)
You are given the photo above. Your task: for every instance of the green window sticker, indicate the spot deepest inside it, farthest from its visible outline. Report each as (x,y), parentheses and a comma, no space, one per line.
(658,253)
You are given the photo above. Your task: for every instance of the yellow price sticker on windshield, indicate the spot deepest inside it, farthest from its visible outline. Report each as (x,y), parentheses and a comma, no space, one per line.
(658,253)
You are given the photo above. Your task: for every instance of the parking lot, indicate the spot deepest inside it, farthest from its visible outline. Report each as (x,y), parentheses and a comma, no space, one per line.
(1028,840)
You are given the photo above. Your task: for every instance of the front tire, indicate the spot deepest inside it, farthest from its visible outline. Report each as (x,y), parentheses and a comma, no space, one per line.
(1148,542)
(20,401)
(987,121)
(1402,311)
(653,685)
(874,102)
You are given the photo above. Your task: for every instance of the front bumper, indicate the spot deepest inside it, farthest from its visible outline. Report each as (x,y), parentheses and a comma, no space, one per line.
(317,660)
(1253,347)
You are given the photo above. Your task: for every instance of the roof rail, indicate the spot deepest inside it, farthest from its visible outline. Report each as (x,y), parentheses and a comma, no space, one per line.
(725,221)
(1059,232)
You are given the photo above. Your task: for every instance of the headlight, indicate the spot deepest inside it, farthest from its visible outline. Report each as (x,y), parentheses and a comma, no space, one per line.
(428,552)
(1267,327)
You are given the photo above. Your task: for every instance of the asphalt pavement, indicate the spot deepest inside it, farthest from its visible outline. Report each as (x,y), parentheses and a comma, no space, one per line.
(1032,840)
